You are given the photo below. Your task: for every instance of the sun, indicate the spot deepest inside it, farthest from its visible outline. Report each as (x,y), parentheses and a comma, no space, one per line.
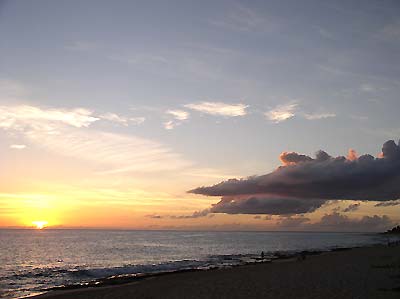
(40,224)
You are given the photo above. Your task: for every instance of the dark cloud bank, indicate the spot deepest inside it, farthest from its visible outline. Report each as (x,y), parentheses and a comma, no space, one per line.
(303,184)
(336,222)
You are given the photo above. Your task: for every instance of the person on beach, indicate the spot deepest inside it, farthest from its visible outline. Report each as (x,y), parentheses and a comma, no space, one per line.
(262,255)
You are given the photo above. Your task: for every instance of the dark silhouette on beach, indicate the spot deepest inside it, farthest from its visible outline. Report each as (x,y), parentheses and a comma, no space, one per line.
(394,230)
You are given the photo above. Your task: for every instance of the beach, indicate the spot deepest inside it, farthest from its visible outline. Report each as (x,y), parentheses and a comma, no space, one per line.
(367,272)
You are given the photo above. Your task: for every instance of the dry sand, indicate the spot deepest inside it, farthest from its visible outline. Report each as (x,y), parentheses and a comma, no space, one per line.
(357,273)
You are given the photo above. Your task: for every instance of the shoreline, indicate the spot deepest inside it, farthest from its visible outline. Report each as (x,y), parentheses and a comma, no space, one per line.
(271,257)
(364,261)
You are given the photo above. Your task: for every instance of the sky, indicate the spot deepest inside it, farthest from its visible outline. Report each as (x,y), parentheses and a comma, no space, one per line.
(172,114)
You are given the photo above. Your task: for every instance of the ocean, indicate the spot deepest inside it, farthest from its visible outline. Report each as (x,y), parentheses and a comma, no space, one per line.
(34,261)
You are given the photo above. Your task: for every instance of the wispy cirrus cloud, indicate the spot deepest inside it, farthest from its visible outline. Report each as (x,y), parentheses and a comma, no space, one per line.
(178,117)
(281,113)
(316,116)
(114,118)
(289,110)
(244,19)
(178,114)
(137,120)
(169,125)
(66,132)
(113,153)
(219,108)
(25,117)
(18,146)
(122,120)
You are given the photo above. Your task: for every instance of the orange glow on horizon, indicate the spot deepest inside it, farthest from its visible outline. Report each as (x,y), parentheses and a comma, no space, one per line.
(40,224)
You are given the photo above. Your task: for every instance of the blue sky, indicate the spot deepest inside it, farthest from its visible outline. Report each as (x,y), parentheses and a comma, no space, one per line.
(221,85)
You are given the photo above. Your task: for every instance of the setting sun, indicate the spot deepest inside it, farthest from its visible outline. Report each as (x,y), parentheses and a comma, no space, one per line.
(39,224)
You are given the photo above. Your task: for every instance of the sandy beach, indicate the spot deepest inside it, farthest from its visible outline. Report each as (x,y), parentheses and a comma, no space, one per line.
(370,272)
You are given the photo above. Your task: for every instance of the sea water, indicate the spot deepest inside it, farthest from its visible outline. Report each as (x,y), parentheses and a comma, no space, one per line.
(33,261)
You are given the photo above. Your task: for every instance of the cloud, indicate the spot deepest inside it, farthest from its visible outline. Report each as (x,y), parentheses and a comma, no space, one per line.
(316,116)
(304,183)
(337,222)
(196,214)
(258,204)
(291,158)
(137,120)
(390,203)
(352,208)
(169,125)
(352,155)
(292,221)
(243,19)
(178,114)
(287,111)
(65,132)
(114,118)
(18,146)
(266,217)
(281,112)
(218,108)
(25,118)
(122,120)
(114,152)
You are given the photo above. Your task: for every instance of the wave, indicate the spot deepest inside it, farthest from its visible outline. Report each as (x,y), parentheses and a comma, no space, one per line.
(83,273)
(42,279)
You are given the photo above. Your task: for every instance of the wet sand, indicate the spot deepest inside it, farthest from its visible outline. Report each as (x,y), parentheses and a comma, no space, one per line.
(372,272)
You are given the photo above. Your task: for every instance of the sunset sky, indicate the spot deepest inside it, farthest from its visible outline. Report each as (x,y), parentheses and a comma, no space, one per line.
(111,111)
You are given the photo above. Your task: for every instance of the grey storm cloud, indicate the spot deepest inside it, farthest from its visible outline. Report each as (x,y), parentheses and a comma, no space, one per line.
(337,222)
(258,204)
(390,203)
(303,184)
(292,221)
(352,208)
(196,214)
(293,158)
(323,177)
